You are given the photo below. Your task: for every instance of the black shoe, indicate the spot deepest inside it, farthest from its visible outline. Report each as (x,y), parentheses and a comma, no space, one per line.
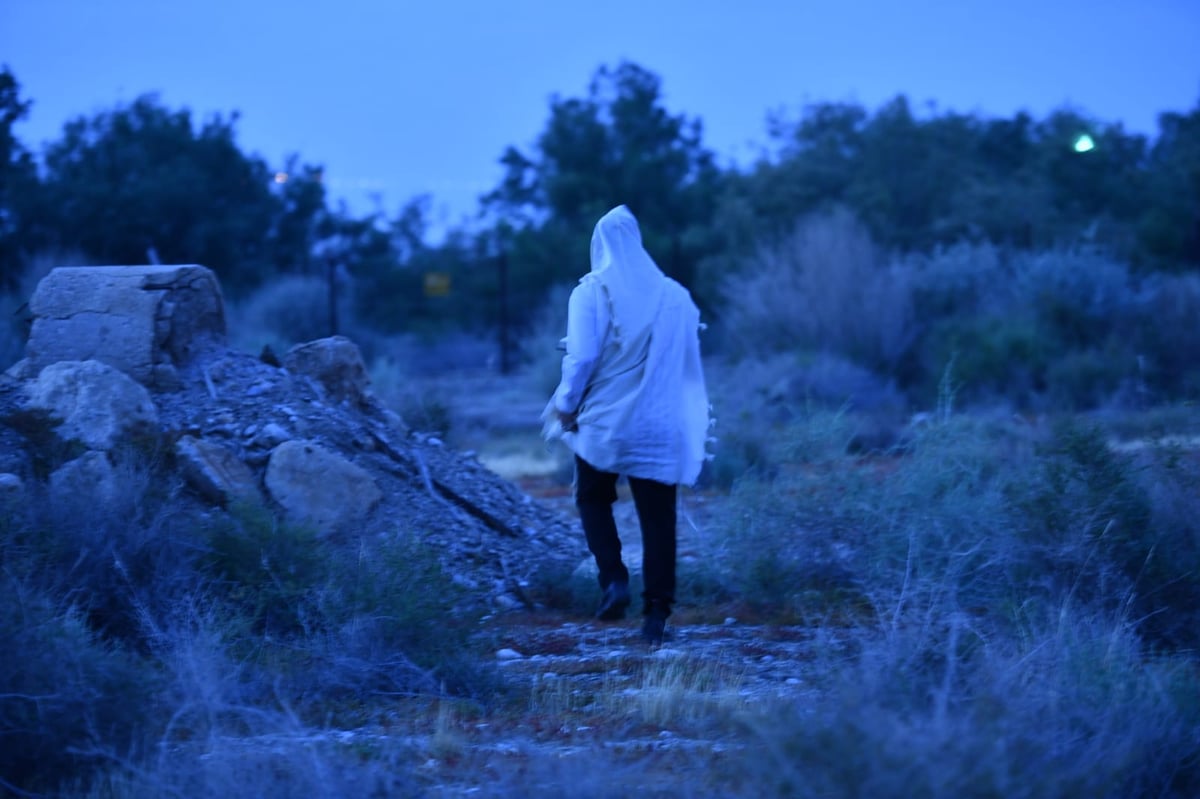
(654,629)
(616,599)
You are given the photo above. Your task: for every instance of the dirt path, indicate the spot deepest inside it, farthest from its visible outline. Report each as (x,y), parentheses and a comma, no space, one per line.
(590,697)
(595,704)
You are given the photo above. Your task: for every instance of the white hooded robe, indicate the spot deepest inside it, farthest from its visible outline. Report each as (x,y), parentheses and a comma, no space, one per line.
(632,372)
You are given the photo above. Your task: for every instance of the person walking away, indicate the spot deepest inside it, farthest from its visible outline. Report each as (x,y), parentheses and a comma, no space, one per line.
(631,401)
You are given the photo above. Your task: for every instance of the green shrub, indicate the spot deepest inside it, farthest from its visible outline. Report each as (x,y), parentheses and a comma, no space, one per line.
(1062,330)
(782,537)
(994,357)
(1085,379)
(963,280)
(268,570)
(1168,584)
(421,406)
(1085,524)
(399,623)
(1078,296)
(342,619)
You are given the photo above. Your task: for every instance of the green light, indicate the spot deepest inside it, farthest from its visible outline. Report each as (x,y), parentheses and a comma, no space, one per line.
(1084,144)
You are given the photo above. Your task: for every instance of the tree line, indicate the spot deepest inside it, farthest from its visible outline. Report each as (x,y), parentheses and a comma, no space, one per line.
(142,182)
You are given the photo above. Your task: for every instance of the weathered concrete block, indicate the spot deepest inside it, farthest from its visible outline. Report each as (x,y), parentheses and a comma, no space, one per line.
(142,320)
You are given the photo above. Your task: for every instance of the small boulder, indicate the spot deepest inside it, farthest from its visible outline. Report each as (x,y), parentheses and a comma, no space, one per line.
(271,436)
(88,478)
(335,363)
(11,488)
(93,402)
(320,487)
(215,471)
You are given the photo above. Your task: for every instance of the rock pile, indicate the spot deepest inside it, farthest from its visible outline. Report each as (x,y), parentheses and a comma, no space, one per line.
(134,357)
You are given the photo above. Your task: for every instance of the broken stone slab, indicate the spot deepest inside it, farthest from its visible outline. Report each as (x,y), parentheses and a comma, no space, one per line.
(335,363)
(216,472)
(93,403)
(319,487)
(145,321)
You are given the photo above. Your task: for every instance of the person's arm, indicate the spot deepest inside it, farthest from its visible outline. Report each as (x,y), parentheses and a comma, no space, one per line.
(586,323)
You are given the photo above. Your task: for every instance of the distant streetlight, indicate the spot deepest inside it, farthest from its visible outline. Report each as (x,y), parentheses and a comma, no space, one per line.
(1084,143)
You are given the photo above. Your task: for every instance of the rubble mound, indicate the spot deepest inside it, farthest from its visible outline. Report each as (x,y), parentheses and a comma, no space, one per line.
(303,434)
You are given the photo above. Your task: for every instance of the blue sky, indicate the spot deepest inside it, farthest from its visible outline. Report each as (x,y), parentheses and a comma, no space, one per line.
(397,98)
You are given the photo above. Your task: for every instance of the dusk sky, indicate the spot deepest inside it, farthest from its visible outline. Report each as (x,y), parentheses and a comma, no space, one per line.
(400,98)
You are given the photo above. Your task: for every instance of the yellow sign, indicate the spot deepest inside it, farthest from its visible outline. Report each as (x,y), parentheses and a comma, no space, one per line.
(437,284)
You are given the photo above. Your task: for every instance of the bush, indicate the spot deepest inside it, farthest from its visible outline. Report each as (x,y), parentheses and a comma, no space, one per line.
(135,617)
(396,623)
(994,358)
(1164,335)
(986,596)
(114,553)
(824,288)
(1070,709)
(339,619)
(422,406)
(983,516)
(782,543)
(754,400)
(1116,532)
(287,311)
(1044,331)
(267,570)
(541,358)
(69,701)
(961,280)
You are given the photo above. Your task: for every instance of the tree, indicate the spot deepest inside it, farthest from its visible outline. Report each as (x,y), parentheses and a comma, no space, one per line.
(18,179)
(919,182)
(1169,227)
(142,182)
(617,145)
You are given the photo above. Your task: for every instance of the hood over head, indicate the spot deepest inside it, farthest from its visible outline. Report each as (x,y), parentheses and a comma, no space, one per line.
(632,281)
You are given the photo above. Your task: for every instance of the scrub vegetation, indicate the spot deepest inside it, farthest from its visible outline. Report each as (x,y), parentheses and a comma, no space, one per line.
(953,368)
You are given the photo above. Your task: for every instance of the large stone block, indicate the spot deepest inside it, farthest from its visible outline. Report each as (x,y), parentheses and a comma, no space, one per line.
(142,320)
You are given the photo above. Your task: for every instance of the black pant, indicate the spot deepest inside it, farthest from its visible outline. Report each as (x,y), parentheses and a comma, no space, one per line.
(595,493)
